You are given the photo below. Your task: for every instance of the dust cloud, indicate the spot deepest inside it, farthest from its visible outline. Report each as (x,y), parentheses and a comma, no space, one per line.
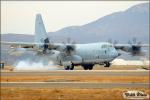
(26,65)
(35,62)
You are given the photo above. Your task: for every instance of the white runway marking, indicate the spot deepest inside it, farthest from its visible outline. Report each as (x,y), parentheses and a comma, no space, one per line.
(86,85)
(79,73)
(68,82)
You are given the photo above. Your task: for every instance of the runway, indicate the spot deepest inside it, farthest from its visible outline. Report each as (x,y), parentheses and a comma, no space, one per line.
(79,73)
(60,83)
(81,85)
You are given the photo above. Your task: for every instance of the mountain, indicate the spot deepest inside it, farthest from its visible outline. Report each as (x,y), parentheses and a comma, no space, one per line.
(122,26)
(11,37)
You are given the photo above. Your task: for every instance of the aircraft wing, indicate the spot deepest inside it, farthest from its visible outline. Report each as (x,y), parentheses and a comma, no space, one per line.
(19,44)
(128,45)
(35,46)
(21,47)
(134,49)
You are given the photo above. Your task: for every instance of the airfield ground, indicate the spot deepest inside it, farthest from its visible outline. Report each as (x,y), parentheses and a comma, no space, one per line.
(65,94)
(102,79)
(131,77)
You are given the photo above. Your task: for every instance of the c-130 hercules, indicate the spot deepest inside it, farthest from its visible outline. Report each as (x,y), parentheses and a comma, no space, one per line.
(70,55)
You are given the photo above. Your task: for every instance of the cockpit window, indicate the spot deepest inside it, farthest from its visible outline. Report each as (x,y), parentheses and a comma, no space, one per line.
(107,46)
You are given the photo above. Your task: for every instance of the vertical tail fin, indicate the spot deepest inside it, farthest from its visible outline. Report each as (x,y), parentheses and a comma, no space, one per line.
(40,32)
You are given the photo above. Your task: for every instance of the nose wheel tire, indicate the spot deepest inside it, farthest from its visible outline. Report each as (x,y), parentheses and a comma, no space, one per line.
(107,64)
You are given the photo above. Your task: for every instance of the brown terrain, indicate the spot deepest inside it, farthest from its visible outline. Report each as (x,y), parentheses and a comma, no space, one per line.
(64,94)
(17,93)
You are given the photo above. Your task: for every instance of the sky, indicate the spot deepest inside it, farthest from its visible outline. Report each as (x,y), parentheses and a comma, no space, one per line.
(19,16)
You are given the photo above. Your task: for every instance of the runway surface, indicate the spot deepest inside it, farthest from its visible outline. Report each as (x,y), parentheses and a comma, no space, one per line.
(79,73)
(86,85)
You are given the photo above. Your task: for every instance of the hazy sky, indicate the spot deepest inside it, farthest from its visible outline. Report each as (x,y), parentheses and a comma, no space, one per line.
(19,16)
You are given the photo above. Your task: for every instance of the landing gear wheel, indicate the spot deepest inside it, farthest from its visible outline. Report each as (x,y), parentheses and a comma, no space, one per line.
(90,67)
(85,67)
(67,67)
(72,67)
(107,64)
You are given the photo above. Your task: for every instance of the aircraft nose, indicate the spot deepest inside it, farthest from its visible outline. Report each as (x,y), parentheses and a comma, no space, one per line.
(116,54)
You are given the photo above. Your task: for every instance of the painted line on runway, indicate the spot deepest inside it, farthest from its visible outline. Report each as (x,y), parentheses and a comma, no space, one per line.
(68,82)
(73,85)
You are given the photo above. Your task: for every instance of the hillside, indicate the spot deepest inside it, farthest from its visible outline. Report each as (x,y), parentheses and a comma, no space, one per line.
(121,26)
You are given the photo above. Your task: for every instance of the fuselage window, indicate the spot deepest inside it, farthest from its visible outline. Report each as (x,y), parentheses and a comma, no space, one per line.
(106,46)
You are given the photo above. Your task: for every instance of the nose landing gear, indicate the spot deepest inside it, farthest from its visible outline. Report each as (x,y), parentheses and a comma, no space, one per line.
(107,64)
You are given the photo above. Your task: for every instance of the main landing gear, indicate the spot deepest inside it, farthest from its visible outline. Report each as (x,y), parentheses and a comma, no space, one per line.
(107,64)
(69,67)
(88,66)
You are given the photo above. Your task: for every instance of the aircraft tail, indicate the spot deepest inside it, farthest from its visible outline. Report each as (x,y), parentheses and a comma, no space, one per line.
(40,31)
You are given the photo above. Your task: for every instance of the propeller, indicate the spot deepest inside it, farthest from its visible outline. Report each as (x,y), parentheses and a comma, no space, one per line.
(69,47)
(114,42)
(135,47)
(109,40)
(46,45)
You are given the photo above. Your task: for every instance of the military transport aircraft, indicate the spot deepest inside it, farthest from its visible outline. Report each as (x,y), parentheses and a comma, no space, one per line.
(70,55)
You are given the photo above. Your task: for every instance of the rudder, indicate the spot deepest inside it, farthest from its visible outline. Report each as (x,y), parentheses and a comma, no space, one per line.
(40,31)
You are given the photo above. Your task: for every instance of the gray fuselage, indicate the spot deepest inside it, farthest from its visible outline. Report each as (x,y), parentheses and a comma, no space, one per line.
(92,53)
